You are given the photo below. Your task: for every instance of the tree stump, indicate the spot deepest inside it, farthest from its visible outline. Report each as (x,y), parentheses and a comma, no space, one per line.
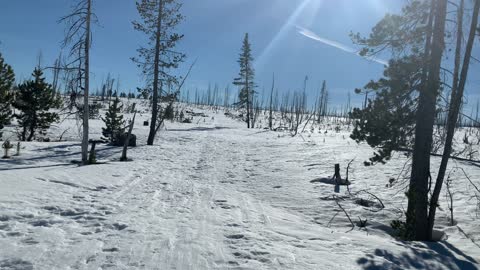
(338,179)
(337,176)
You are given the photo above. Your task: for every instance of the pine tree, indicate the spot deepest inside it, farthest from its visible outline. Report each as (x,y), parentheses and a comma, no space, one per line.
(246,79)
(34,100)
(387,121)
(114,123)
(406,104)
(7,79)
(459,81)
(159,20)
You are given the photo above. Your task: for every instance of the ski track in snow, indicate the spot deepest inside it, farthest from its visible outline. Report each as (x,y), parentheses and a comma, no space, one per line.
(214,197)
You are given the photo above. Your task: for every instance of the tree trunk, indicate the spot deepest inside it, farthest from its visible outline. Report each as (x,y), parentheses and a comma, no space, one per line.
(455,103)
(248,101)
(92,158)
(86,86)
(337,176)
(270,117)
(32,127)
(366,100)
(32,133)
(127,141)
(153,123)
(418,193)
(410,215)
(24,133)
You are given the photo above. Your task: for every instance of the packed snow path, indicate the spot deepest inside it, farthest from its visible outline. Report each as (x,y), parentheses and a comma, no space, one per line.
(213,196)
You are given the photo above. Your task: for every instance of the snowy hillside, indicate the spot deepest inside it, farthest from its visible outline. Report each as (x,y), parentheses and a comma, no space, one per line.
(215,195)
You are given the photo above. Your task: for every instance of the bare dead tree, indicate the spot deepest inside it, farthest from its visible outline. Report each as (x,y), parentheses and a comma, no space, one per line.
(270,116)
(449,197)
(78,37)
(345,212)
(174,96)
(460,79)
(257,107)
(298,111)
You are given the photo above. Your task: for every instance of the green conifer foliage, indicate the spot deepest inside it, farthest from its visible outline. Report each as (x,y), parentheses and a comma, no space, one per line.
(114,123)
(387,122)
(34,100)
(7,78)
(245,79)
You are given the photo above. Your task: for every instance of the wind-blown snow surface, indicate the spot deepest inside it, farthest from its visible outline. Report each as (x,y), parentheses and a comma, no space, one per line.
(214,195)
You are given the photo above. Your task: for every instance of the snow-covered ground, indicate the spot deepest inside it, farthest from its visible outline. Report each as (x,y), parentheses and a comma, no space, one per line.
(215,195)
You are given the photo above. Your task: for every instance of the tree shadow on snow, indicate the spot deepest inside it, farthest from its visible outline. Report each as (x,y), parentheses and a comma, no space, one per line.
(324,180)
(37,167)
(58,147)
(428,256)
(54,155)
(200,129)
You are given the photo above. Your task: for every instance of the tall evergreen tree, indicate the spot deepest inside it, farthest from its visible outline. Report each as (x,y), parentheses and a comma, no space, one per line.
(417,211)
(114,123)
(245,79)
(7,79)
(159,18)
(404,108)
(34,100)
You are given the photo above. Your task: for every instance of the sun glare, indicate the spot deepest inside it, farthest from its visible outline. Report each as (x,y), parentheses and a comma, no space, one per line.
(306,11)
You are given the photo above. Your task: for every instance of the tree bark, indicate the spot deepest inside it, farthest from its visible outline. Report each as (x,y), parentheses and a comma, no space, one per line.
(32,127)
(248,95)
(455,103)
(418,193)
(270,118)
(127,141)
(86,86)
(92,158)
(336,175)
(410,215)
(153,123)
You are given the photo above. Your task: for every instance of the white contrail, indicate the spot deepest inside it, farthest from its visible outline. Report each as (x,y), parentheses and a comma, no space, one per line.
(309,34)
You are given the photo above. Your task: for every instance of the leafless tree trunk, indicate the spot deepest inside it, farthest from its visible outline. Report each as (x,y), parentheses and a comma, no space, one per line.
(417,214)
(153,123)
(226,97)
(270,116)
(86,84)
(455,102)
(298,111)
(129,134)
(79,37)
(56,74)
(248,96)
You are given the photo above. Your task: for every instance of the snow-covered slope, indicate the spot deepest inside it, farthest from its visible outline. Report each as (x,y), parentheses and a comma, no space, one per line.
(214,195)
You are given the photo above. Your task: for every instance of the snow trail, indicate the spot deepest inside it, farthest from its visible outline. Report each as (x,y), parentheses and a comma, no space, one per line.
(214,196)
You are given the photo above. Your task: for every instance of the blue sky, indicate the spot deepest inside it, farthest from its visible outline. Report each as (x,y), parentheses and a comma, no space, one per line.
(213,30)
